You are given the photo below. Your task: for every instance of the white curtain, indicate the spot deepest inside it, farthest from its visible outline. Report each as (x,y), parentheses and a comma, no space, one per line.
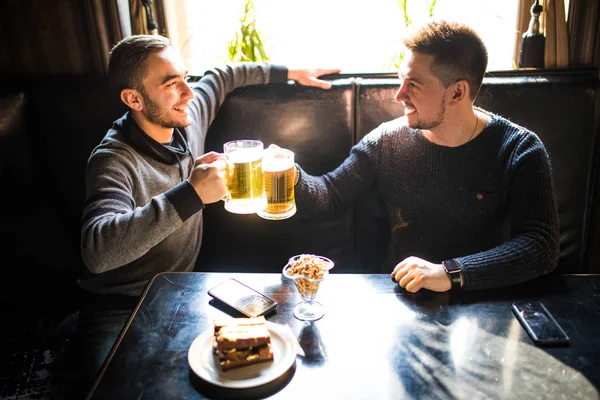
(179,29)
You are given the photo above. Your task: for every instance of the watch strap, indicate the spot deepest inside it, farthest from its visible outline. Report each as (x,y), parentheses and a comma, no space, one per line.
(453,270)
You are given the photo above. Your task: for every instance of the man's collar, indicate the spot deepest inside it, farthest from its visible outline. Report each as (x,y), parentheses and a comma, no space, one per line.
(145,144)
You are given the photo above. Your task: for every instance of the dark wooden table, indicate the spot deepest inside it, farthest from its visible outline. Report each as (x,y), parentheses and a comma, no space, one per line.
(376,341)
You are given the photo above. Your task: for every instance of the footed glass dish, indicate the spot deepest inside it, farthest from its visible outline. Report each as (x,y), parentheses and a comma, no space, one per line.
(308,271)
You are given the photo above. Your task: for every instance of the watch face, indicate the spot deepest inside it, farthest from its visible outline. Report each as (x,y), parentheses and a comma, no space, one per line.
(454,273)
(451,266)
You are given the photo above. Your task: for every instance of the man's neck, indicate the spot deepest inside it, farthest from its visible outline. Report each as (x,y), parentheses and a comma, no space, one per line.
(156,132)
(458,129)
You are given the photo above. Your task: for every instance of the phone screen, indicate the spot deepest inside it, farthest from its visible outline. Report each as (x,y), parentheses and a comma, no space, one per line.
(242,298)
(539,323)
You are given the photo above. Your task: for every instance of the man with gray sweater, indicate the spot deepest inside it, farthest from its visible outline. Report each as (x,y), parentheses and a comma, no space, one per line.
(149,179)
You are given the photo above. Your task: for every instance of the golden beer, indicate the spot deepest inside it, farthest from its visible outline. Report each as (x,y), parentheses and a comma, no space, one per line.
(278,173)
(245,185)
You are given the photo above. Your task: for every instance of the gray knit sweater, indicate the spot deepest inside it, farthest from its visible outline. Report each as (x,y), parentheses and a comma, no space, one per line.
(141,216)
(488,204)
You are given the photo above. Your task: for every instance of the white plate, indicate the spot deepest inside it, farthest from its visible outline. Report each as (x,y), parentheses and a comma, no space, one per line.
(204,363)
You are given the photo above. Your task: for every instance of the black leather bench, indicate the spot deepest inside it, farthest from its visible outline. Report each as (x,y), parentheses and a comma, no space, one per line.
(320,127)
(49,126)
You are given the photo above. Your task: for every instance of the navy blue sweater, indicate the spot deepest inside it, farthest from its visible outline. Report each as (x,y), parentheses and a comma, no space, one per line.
(488,204)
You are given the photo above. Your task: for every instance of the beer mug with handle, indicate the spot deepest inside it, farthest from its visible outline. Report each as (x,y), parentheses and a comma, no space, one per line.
(278,174)
(244,177)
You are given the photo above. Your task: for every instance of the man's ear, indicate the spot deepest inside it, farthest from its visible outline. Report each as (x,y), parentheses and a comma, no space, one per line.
(460,91)
(132,99)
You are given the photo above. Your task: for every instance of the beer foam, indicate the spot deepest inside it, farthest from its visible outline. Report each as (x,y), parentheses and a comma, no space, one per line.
(276,164)
(244,155)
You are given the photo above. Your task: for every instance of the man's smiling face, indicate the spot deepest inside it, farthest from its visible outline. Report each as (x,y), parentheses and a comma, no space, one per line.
(165,92)
(421,92)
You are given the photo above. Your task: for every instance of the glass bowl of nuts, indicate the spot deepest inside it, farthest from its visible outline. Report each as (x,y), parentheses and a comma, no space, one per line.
(308,271)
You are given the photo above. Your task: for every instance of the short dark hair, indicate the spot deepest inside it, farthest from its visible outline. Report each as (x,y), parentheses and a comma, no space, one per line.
(127,63)
(458,52)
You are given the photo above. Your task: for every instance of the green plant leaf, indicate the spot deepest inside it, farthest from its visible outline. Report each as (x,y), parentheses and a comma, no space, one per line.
(248,45)
(431,7)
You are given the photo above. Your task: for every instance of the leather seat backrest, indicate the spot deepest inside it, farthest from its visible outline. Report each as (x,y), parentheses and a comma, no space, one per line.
(16,160)
(559,109)
(317,125)
(68,118)
(375,104)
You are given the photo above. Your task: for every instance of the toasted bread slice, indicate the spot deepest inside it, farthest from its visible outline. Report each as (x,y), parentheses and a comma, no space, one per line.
(236,358)
(241,337)
(242,341)
(219,323)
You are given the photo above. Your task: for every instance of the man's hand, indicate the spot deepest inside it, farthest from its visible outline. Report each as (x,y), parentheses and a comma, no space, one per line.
(208,177)
(415,273)
(308,77)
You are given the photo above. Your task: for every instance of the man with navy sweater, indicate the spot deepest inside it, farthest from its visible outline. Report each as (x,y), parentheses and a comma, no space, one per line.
(468,193)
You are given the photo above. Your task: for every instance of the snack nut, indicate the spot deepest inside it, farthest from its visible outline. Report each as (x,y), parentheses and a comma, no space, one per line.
(309,266)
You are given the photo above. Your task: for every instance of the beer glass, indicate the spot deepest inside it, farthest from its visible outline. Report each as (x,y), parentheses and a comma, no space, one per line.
(278,174)
(245,186)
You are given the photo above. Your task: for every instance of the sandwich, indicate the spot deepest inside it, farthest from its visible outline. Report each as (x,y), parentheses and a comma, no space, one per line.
(242,341)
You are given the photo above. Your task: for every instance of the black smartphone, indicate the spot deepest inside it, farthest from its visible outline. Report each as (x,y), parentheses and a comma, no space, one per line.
(539,323)
(242,298)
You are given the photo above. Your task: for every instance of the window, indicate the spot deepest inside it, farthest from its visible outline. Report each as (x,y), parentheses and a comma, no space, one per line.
(357,36)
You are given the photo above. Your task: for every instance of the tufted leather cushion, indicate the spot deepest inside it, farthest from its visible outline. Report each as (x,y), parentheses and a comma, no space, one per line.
(561,111)
(49,126)
(16,163)
(38,262)
(68,118)
(318,126)
(375,105)
(559,108)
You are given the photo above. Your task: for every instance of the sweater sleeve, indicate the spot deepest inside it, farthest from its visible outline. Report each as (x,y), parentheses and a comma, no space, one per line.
(532,249)
(337,190)
(115,230)
(214,86)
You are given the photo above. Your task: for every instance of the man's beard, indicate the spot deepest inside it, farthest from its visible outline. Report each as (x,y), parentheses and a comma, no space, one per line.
(153,113)
(432,123)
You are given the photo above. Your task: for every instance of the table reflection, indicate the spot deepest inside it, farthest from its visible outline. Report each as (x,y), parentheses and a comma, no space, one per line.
(376,341)
(466,362)
(311,345)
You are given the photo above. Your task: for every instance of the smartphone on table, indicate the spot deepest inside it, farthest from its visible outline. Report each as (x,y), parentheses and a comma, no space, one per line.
(539,323)
(242,298)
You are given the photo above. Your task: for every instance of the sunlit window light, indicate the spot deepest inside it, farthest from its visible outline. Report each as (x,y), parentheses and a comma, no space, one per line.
(356,36)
